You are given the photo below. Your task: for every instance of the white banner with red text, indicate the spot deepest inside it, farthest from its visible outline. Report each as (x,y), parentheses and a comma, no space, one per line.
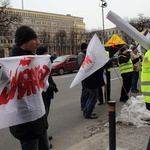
(96,57)
(22,80)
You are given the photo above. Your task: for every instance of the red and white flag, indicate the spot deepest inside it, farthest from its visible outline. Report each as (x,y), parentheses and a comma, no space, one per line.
(22,80)
(96,57)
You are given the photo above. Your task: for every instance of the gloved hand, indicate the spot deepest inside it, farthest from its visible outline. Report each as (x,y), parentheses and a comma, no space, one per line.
(56,90)
(140,57)
(128,54)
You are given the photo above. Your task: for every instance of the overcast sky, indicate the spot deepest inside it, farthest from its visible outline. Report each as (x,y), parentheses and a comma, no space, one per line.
(90,10)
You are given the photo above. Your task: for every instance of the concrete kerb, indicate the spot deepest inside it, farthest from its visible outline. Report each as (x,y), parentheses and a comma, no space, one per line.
(127,138)
(92,141)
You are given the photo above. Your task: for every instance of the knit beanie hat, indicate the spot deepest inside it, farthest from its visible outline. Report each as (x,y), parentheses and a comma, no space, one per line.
(84,46)
(24,34)
(123,48)
(41,50)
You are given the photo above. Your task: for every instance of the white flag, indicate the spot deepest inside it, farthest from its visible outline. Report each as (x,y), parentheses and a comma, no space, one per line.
(22,80)
(128,29)
(95,58)
(139,46)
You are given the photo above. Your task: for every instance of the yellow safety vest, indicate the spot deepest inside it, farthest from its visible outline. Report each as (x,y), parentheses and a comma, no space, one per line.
(145,77)
(126,67)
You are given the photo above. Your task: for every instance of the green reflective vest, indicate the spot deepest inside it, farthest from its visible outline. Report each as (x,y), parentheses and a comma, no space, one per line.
(126,67)
(145,77)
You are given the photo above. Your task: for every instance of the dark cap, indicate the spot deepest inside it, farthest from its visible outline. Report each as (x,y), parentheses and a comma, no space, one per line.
(123,48)
(24,34)
(84,46)
(133,48)
(41,50)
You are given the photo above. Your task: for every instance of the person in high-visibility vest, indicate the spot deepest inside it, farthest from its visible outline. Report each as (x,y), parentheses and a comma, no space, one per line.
(126,71)
(145,83)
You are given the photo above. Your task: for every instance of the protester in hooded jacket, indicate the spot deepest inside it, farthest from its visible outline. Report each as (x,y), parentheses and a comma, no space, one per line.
(33,134)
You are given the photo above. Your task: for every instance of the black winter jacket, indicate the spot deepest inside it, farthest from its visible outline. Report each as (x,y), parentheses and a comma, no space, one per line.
(33,129)
(51,89)
(95,80)
(122,59)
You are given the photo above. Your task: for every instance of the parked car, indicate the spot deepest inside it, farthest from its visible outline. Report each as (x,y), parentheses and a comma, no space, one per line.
(65,63)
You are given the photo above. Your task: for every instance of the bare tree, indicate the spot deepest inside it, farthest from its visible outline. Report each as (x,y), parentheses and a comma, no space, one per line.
(89,35)
(7,18)
(126,38)
(139,23)
(73,40)
(46,39)
(61,38)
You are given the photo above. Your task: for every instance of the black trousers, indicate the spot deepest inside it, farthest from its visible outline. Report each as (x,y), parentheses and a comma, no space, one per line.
(108,86)
(148,145)
(127,81)
(100,95)
(84,95)
(107,89)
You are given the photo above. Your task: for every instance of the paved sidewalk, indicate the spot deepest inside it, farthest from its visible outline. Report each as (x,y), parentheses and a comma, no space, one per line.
(128,137)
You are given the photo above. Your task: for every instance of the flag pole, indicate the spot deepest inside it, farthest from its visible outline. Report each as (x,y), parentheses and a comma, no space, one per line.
(120,80)
(22,12)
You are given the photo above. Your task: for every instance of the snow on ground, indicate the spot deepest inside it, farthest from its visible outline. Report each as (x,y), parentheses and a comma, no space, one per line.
(134,112)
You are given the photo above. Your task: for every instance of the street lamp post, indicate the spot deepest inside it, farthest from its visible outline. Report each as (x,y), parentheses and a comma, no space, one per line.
(103,5)
(22,12)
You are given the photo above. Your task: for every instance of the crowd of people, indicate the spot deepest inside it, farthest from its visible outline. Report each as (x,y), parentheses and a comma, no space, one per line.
(33,135)
(97,86)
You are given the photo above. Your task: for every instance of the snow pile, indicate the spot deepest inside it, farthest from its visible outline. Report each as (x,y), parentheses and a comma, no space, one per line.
(134,112)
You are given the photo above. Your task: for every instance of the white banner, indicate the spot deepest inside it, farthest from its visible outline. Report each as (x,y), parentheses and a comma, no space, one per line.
(139,46)
(22,80)
(128,29)
(96,57)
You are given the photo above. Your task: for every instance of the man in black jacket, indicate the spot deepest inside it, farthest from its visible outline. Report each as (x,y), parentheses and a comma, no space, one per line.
(80,59)
(32,135)
(49,93)
(92,84)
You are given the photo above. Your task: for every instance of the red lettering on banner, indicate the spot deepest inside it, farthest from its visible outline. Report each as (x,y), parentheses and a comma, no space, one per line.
(3,97)
(24,62)
(42,76)
(13,86)
(87,60)
(25,83)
